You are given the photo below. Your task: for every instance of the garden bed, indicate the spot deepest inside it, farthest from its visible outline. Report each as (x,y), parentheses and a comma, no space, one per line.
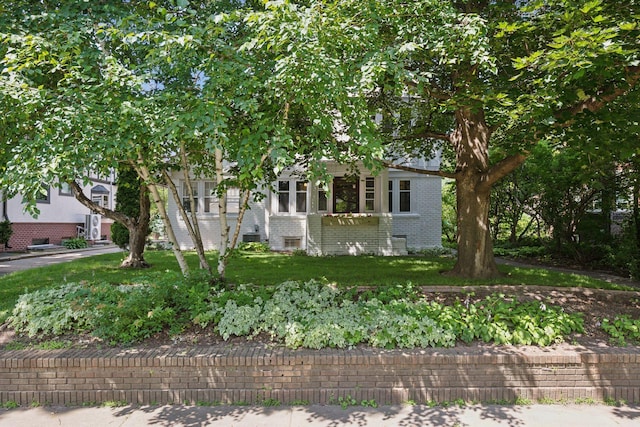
(594,304)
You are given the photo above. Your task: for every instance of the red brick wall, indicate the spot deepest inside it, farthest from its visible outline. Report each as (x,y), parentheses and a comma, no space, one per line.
(25,232)
(253,373)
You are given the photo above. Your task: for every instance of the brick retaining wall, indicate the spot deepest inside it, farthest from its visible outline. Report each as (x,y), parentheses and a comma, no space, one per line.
(254,373)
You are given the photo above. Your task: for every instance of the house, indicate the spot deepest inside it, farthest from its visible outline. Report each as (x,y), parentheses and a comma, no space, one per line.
(61,216)
(384,214)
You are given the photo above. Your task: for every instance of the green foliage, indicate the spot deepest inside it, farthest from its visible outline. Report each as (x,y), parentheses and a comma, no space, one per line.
(260,247)
(9,404)
(521,251)
(270,269)
(625,256)
(347,401)
(311,315)
(623,329)
(75,243)
(120,235)
(128,203)
(5,231)
(53,311)
(506,321)
(449,212)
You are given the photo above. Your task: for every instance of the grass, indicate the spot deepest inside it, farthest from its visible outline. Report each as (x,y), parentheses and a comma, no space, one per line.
(274,268)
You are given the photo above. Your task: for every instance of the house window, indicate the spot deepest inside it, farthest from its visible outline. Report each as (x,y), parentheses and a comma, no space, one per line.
(301,196)
(44,194)
(390,196)
(101,200)
(322,200)
(405,195)
(210,197)
(369,194)
(186,203)
(283,196)
(65,189)
(292,242)
(233,200)
(345,195)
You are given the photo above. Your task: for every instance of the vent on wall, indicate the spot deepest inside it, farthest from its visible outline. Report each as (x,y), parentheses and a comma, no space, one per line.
(292,242)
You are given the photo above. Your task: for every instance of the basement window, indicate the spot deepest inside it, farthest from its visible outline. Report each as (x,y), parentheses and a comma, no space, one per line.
(292,243)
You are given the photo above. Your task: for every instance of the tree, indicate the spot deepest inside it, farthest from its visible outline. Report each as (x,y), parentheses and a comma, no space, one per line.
(161,88)
(133,201)
(52,133)
(221,109)
(478,76)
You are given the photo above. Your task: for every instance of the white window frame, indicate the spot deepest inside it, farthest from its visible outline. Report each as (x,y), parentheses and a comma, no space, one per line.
(186,202)
(395,199)
(370,198)
(288,195)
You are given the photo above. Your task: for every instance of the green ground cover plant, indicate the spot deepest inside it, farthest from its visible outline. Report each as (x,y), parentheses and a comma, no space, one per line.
(623,329)
(299,314)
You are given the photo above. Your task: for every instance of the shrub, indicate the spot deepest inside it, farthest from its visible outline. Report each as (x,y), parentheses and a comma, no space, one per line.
(261,247)
(120,235)
(75,243)
(5,232)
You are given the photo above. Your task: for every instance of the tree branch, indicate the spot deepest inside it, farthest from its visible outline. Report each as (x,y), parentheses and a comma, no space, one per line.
(111,214)
(439,173)
(433,91)
(503,168)
(424,135)
(595,103)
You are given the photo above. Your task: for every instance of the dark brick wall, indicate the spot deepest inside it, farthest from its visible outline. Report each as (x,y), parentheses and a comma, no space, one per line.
(253,373)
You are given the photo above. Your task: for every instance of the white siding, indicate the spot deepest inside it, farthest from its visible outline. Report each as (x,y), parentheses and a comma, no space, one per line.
(210,222)
(419,228)
(59,209)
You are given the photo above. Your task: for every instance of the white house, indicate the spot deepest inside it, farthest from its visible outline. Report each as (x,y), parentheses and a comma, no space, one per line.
(61,216)
(383,214)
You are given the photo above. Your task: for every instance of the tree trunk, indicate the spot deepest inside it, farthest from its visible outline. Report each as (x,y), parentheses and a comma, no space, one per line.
(195,233)
(475,246)
(145,174)
(473,189)
(138,233)
(635,210)
(223,256)
(137,241)
(195,236)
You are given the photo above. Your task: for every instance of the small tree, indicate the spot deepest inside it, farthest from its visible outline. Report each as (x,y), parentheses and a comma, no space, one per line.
(133,201)
(5,232)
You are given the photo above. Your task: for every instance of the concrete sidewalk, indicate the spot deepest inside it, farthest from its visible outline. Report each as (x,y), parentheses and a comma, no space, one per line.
(10,262)
(331,415)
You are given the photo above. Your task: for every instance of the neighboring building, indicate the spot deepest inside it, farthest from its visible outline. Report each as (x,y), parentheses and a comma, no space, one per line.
(61,216)
(385,214)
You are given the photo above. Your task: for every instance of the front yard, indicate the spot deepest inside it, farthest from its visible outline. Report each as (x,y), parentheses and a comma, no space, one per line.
(316,302)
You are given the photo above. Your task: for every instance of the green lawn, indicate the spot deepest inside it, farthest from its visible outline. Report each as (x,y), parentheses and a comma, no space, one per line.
(273,268)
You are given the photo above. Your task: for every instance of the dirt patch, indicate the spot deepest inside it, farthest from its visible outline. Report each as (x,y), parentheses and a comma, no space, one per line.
(594,304)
